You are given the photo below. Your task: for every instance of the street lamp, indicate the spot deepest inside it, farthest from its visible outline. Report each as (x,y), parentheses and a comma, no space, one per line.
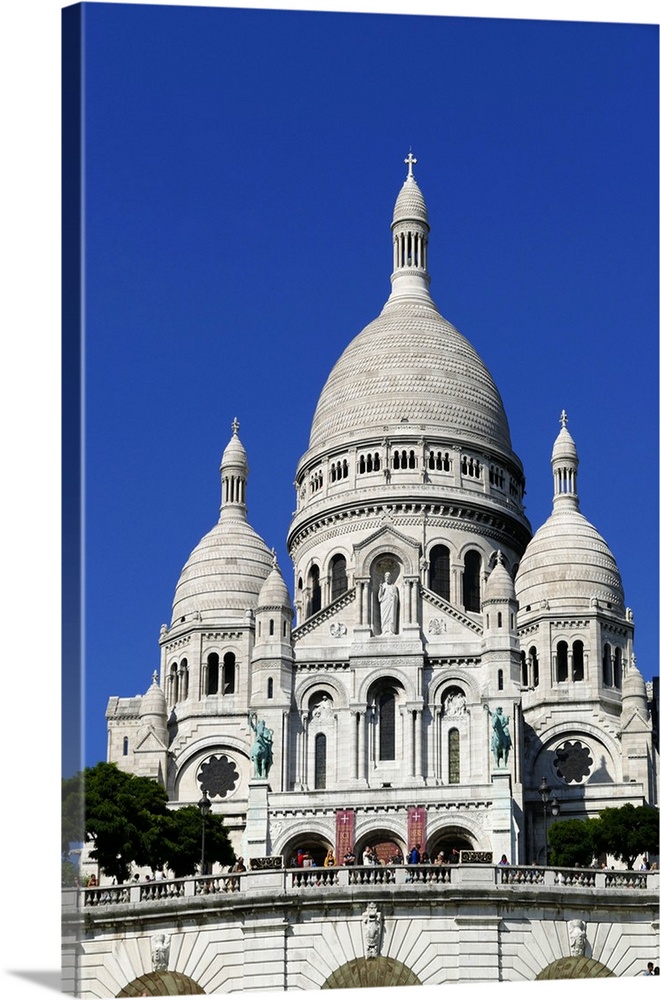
(204,806)
(544,792)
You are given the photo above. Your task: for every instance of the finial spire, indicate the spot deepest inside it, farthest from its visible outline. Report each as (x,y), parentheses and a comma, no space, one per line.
(274,554)
(235,425)
(410,159)
(563,418)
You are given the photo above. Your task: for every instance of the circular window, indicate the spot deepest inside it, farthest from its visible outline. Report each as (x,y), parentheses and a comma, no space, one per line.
(218,776)
(573,761)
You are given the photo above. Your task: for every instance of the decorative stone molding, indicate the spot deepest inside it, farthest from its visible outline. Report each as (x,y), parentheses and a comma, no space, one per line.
(338,629)
(437,626)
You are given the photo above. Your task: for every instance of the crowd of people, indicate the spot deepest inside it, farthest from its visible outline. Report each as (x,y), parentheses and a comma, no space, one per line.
(370,857)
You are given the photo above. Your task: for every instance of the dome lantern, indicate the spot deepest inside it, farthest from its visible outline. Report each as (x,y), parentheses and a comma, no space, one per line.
(233,475)
(410,236)
(564,467)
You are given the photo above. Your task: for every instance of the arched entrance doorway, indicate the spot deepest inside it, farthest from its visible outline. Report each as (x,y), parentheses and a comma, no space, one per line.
(388,847)
(450,840)
(162,984)
(379,971)
(313,844)
(575,968)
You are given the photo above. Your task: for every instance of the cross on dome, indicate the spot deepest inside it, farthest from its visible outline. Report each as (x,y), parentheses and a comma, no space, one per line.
(235,425)
(410,159)
(563,418)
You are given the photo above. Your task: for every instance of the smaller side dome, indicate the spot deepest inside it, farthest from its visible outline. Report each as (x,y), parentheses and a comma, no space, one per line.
(274,593)
(499,585)
(567,562)
(634,685)
(153,703)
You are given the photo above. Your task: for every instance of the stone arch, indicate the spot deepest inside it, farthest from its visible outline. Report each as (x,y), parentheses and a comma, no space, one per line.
(385,842)
(162,984)
(380,971)
(313,842)
(463,836)
(575,968)
(607,765)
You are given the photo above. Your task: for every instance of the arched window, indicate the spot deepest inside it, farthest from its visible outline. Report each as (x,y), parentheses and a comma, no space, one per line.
(269,688)
(499,619)
(125,748)
(284,628)
(386,725)
(320,760)
(562,661)
(314,591)
(578,660)
(229,673)
(607,665)
(173,683)
(338,578)
(212,673)
(183,680)
(500,680)
(524,670)
(271,627)
(533,666)
(439,571)
(472,581)
(617,667)
(454,756)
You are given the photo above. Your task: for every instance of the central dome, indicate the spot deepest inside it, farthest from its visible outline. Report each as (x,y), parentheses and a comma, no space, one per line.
(411,366)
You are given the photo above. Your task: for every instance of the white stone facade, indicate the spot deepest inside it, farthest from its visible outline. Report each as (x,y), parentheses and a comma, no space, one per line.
(382,713)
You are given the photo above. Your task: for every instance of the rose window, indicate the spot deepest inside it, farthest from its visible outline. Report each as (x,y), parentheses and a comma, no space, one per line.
(573,761)
(218,776)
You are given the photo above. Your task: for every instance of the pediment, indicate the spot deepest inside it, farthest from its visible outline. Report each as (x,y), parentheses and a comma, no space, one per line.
(441,618)
(387,533)
(149,742)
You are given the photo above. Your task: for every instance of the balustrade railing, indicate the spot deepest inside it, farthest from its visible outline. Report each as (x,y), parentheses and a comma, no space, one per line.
(303,880)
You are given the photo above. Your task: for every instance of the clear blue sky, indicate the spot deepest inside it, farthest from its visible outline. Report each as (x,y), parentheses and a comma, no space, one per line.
(241,170)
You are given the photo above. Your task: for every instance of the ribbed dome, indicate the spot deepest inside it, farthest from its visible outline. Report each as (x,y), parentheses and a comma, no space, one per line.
(564,449)
(410,204)
(274,593)
(225,572)
(411,365)
(567,563)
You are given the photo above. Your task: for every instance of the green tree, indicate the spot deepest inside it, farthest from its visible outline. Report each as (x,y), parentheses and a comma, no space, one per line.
(627,831)
(571,842)
(125,815)
(127,818)
(184,849)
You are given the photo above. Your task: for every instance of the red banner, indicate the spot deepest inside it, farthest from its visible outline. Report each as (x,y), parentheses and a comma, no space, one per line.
(417,827)
(344,833)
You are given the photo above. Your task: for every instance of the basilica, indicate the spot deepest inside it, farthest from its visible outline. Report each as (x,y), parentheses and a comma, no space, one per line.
(441,674)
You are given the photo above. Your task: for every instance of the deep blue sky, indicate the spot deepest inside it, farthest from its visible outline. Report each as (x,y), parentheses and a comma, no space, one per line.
(241,170)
